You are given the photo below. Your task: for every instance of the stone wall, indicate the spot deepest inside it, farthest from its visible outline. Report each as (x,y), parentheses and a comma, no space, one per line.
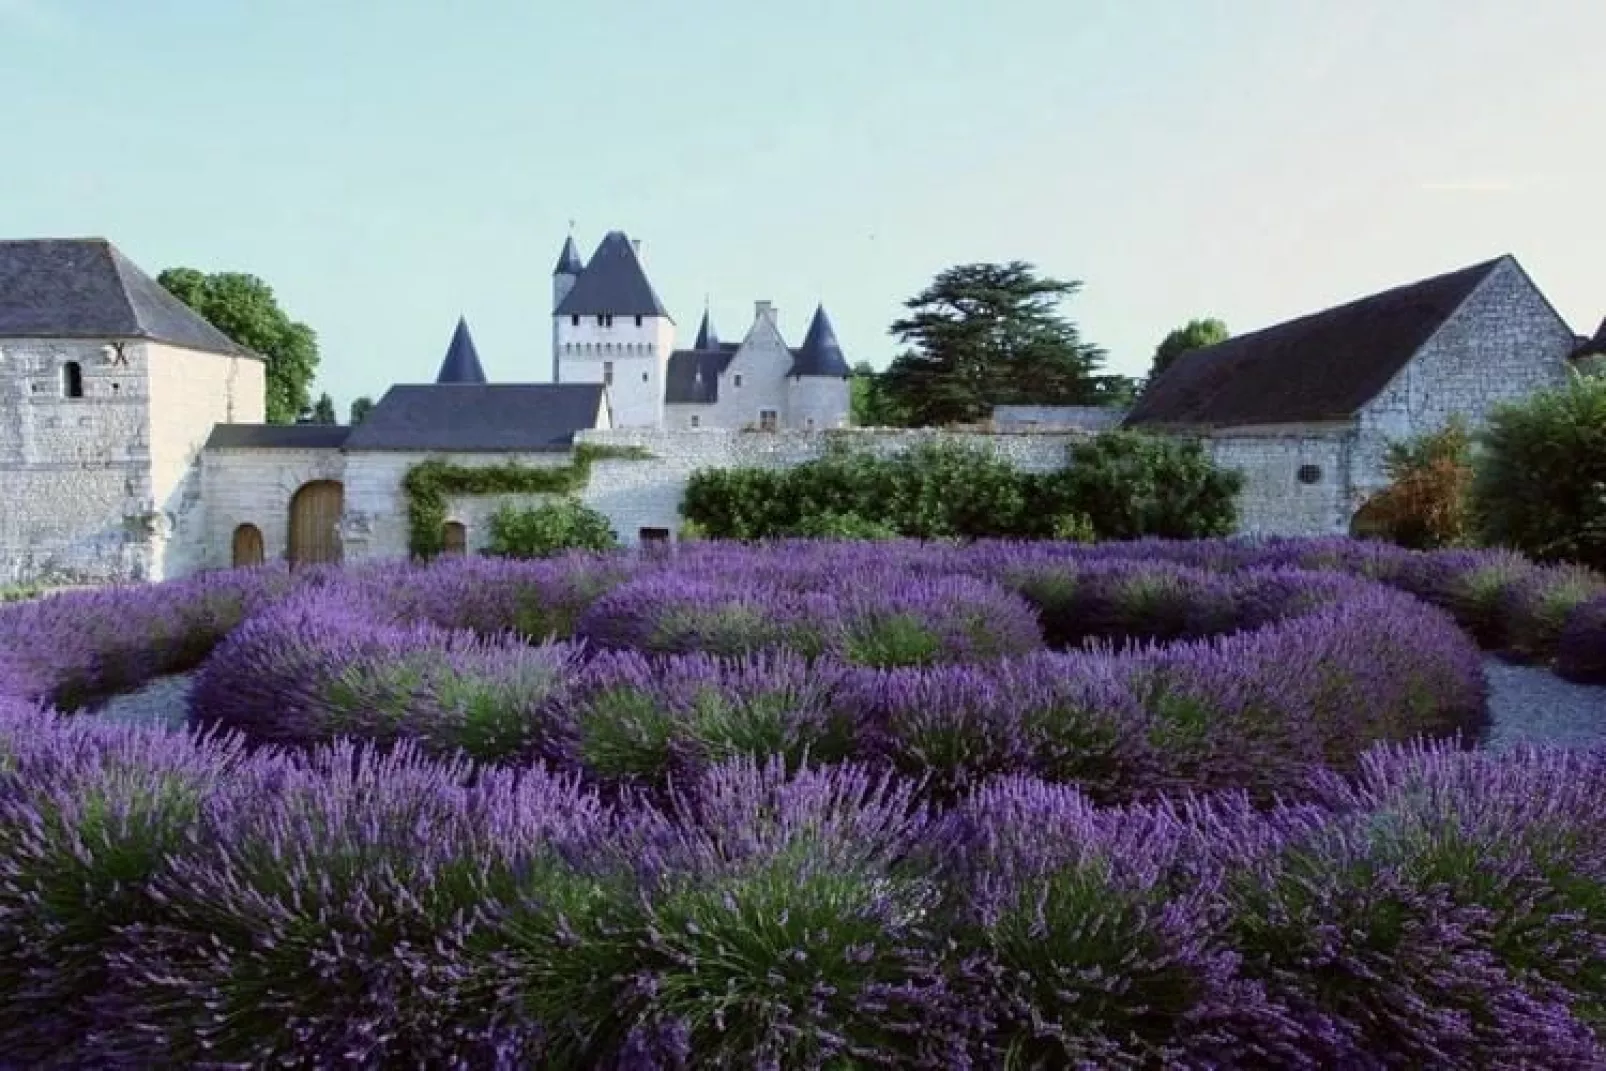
(1504,343)
(74,471)
(190,392)
(1296,478)
(1083,417)
(254,486)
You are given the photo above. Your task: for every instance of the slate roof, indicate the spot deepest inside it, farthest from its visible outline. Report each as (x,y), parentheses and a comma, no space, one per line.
(707,337)
(1324,366)
(612,284)
(820,354)
(479,416)
(462,361)
(1593,347)
(277,436)
(569,262)
(86,288)
(693,375)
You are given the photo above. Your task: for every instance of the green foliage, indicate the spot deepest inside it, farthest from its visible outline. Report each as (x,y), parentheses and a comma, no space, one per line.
(428,483)
(548,529)
(1427,503)
(244,308)
(1194,335)
(869,404)
(1540,484)
(990,334)
(1121,485)
(1132,485)
(842,526)
(360,408)
(322,411)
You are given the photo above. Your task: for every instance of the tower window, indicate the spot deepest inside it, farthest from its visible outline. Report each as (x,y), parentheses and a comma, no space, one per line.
(738,379)
(644,377)
(72,380)
(696,421)
(607,373)
(574,320)
(638,321)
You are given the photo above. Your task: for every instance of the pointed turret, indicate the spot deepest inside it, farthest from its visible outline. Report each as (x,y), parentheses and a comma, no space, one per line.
(707,337)
(821,353)
(613,284)
(569,262)
(462,361)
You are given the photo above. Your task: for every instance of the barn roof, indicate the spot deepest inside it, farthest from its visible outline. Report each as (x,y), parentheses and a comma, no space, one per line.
(1324,366)
(277,436)
(525,417)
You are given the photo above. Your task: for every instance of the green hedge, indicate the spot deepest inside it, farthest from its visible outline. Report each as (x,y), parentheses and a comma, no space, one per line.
(1119,485)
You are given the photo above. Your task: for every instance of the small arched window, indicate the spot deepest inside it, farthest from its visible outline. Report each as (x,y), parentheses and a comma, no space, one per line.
(72,380)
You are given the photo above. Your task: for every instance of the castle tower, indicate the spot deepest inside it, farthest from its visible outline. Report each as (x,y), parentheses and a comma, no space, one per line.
(610,328)
(564,277)
(818,390)
(462,361)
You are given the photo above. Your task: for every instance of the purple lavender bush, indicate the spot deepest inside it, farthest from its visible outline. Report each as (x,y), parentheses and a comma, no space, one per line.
(1581,647)
(1537,607)
(324,665)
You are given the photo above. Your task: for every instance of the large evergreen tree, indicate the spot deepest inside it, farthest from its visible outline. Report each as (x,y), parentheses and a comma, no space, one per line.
(321,411)
(991,334)
(244,308)
(360,408)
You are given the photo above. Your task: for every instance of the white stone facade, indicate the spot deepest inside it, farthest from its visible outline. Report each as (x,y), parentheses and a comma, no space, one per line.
(626,353)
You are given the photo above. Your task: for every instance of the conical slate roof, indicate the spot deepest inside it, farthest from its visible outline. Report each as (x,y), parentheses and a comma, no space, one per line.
(707,337)
(462,361)
(612,284)
(86,288)
(821,353)
(569,262)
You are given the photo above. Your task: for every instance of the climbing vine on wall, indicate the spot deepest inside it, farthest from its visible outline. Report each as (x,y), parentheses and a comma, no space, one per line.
(429,483)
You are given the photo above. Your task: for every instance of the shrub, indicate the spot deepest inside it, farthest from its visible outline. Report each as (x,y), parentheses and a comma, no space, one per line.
(1537,607)
(549,529)
(841,526)
(1541,480)
(1581,647)
(1426,504)
(1130,484)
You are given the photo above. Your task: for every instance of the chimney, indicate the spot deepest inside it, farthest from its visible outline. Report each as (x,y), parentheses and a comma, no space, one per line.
(635,243)
(763,310)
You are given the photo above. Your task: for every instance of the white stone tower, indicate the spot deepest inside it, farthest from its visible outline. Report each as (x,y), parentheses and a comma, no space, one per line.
(819,392)
(609,327)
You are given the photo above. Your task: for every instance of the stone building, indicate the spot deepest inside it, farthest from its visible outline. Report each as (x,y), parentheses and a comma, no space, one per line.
(133,442)
(609,327)
(109,386)
(1307,409)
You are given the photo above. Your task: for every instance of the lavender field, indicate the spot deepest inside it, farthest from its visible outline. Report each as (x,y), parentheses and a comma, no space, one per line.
(1203,804)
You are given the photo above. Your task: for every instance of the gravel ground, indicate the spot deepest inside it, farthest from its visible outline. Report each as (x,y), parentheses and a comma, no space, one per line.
(1526,704)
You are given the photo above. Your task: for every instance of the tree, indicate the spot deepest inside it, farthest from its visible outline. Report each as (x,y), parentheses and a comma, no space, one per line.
(360,408)
(869,404)
(321,412)
(244,308)
(1194,335)
(990,334)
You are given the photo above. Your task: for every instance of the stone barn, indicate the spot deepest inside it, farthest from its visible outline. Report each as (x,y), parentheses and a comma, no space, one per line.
(1307,409)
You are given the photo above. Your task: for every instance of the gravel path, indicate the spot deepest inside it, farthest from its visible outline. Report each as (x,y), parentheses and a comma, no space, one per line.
(1527,704)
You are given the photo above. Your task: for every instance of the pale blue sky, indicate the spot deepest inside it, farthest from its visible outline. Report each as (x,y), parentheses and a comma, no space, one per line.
(388,165)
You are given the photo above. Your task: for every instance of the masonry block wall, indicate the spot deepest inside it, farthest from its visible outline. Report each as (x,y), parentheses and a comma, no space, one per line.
(1503,344)
(1296,479)
(74,471)
(254,486)
(190,392)
(817,402)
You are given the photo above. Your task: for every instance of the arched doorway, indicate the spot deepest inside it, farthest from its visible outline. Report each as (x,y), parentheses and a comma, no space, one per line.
(247,546)
(454,539)
(315,522)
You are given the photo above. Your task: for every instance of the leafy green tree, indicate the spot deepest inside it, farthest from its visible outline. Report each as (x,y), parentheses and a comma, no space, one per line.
(552,528)
(321,411)
(990,334)
(244,308)
(870,406)
(1540,482)
(360,408)
(1194,335)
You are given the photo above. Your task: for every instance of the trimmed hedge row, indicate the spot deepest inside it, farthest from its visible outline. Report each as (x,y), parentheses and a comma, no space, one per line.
(173,902)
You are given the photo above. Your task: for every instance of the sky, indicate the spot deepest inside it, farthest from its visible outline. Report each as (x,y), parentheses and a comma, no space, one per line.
(389,166)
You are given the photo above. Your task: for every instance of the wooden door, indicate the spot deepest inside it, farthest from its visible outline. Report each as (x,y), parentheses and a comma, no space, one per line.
(454,540)
(315,522)
(247,546)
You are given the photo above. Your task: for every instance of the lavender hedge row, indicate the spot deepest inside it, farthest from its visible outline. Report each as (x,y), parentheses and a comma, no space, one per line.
(169,902)
(1335,665)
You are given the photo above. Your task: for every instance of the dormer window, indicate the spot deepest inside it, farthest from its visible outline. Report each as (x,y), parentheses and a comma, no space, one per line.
(72,380)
